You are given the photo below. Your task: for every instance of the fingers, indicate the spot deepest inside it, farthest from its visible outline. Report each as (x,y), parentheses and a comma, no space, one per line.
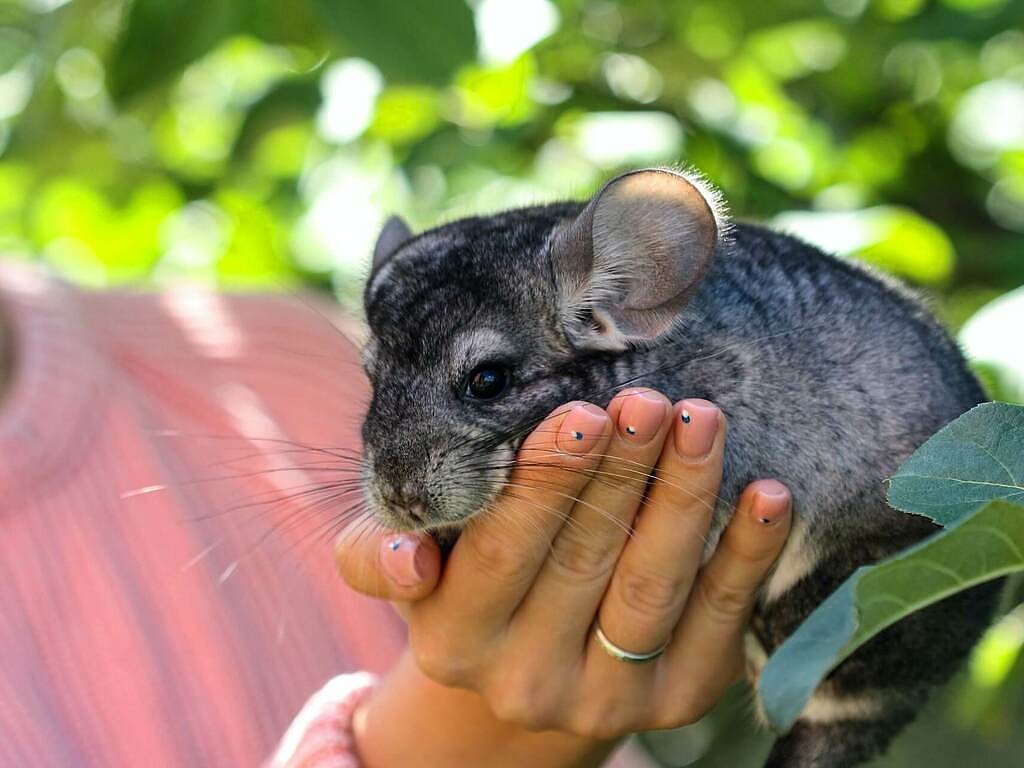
(500,552)
(401,567)
(656,570)
(582,556)
(707,652)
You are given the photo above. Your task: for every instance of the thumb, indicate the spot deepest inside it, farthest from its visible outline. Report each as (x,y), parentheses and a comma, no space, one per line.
(401,567)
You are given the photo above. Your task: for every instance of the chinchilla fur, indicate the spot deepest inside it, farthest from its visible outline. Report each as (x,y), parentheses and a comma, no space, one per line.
(830,376)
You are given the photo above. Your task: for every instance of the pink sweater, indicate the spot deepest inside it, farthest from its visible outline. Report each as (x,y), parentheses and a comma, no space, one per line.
(169,470)
(167,585)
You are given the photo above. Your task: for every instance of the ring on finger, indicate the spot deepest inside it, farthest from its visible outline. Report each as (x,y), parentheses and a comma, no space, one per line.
(621,654)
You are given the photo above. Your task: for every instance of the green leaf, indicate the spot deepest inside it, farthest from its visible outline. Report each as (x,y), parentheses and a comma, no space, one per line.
(977,458)
(410,41)
(985,545)
(161,37)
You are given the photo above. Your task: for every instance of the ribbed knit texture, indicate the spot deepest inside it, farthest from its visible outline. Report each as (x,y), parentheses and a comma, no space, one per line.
(167,589)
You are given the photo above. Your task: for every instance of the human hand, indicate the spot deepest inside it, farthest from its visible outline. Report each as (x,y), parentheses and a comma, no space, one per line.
(579,540)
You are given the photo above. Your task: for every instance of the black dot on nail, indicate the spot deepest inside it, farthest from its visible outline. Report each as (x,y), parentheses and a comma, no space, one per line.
(578,435)
(631,430)
(766,521)
(686,417)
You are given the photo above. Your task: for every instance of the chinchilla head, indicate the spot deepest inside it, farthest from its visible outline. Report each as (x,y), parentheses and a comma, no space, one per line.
(481,327)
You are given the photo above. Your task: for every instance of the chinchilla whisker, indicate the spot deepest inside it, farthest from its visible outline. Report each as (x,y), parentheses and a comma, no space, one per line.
(279,494)
(265,506)
(268,471)
(325,531)
(301,517)
(569,497)
(278,528)
(568,520)
(533,527)
(335,451)
(598,475)
(343,459)
(301,557)
(626,528)
(623,473)
(309,502)
(601,474)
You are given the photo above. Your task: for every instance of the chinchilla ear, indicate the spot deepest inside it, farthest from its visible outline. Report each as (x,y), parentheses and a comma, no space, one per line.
(627,265)
(395,234)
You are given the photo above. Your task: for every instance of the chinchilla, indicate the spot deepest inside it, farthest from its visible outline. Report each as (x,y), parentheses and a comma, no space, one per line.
(830,377)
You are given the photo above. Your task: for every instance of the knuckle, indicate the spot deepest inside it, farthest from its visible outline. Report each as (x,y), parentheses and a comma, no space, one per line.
(600,722)
(440,664)
(497,554)
(726,602)
(521,705)
(582,557)
(650,594)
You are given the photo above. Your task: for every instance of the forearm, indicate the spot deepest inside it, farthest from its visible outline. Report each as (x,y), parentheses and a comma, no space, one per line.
(411,720)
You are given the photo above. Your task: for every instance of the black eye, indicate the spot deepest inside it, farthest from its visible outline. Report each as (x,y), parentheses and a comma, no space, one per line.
(487,382)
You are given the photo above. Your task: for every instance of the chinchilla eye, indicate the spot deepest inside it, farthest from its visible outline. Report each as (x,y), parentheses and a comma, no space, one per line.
(486,382)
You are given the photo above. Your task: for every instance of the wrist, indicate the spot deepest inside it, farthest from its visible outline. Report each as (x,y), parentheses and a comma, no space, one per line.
(409,720)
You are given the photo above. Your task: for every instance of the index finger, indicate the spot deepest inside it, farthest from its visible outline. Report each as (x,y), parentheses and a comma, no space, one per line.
(499,554)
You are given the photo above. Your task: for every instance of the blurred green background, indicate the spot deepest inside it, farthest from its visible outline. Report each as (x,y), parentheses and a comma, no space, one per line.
(259,144)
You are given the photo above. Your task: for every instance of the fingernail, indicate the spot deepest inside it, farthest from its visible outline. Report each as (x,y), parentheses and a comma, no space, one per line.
(641,416)
(771,502)
(398,558)
(696,433)
(581,429)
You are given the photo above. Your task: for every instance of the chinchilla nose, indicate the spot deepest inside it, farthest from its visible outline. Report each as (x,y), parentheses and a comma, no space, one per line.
(409,501)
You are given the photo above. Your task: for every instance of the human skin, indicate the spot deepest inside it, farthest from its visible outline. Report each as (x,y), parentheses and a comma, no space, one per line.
(503,668)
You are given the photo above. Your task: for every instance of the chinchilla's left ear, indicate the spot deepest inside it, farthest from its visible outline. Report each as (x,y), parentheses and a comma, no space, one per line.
(393,236)
(627,265)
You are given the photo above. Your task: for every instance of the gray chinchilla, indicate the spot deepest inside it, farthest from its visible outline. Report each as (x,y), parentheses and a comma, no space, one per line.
(830,377)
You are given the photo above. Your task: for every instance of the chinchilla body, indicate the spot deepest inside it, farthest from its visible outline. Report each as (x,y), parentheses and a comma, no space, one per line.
(829,377)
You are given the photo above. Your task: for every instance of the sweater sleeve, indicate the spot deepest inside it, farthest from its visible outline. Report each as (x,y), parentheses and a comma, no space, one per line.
(321,734)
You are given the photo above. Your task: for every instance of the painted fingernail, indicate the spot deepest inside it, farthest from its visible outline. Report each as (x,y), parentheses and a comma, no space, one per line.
(771,502)
(582,429)
(398,558)
(695,434)
(641,416)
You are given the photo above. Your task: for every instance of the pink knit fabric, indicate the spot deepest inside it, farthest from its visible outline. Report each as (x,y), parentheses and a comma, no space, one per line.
(167,583)
(321,735)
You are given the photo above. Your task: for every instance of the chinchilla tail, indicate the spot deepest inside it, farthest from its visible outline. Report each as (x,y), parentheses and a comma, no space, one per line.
(839,744)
